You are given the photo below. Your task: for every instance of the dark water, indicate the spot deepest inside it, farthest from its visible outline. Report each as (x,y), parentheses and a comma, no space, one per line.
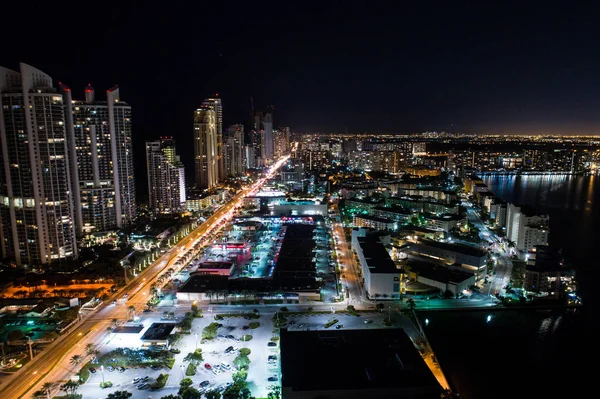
(523,353)
(518,354)
(573,203)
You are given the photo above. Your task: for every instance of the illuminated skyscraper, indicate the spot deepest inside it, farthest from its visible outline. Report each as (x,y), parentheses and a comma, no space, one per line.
(261,136)
(36,206)
(205,148)
(234,151)
(215,105)
(102,155)
(166,177)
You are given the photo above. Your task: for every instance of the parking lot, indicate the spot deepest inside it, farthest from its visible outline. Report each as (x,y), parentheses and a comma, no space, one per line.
(264,359)
(214,354)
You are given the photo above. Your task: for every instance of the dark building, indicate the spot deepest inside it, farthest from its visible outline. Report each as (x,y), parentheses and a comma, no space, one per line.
(350,364)
(546,273)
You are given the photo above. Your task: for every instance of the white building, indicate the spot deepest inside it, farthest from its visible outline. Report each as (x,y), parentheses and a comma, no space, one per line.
(382,277)
(37,222)
(526,228)
(102,166)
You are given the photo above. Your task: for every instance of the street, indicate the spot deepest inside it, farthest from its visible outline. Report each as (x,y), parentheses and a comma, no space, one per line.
(53,364)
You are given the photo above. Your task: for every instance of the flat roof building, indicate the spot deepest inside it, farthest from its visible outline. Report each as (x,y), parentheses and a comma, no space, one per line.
(157,334)
(377,363)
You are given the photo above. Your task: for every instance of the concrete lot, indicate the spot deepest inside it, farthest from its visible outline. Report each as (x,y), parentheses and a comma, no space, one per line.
(213,353)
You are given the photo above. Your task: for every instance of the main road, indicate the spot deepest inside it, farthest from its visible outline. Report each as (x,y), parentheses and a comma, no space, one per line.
(53,364)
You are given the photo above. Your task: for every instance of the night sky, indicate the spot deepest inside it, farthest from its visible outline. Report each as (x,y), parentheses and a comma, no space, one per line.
(324,66)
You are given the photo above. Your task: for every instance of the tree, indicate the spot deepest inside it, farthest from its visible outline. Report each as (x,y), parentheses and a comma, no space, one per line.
(39,394)
(195,356)
(242,362)
(76,359)
(213,395)
(91,350)
(245,351)
(411,304)
(239,377)
(119,395)
(131,311)
(70,387)
(47,388)
(185,383)
(274,394)
(114,323)
(190,393)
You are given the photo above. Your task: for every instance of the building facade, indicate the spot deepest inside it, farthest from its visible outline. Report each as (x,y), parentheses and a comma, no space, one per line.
(103,178)
(526,228)
(216,105)
(166,177)
(205,148)
(234,151)
(36,209)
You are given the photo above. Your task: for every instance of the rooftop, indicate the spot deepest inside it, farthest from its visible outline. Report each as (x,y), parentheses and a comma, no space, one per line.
(437,272)
(354,359)
(459,248)
(377,257)
(158,332)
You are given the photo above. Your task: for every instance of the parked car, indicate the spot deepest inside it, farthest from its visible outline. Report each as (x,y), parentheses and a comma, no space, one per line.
(204,383)
(110,368)
(229,349)
(207,366)
(92,370)
(271,343)
(226,365)
(121,369)
(273,378)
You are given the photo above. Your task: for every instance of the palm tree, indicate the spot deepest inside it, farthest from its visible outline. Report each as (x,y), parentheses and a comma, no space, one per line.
(39,395)
(70,387)
(47,388)
(76,359)
(131,311)
(90,349)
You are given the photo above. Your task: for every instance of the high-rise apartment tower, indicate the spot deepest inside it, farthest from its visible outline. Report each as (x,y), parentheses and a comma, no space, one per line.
(36,207)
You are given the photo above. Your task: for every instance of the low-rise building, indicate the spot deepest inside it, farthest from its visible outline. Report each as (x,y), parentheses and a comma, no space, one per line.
(397,213)
(220,268)
(441,277)
(375,222)
(382,278)
(157,335)
(445,222)
(378,363)
(469,258)
(547,274)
